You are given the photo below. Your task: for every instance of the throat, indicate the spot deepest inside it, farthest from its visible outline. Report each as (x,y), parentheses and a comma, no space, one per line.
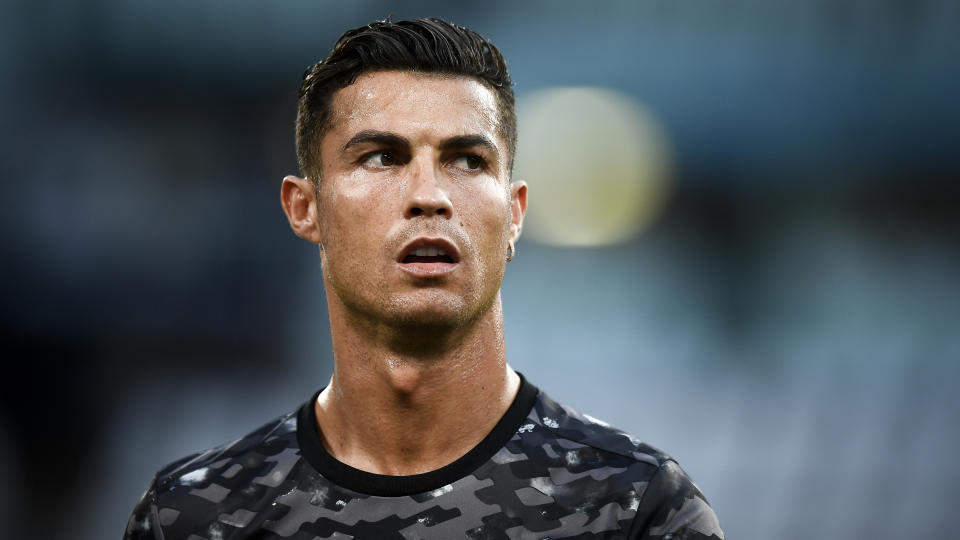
(408,380)
(410,421)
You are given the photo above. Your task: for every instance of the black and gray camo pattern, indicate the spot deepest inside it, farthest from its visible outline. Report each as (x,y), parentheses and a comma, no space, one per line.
(562,475)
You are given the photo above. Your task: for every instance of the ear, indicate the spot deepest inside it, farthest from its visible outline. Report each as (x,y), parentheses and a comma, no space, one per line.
(518,207)
(300,204)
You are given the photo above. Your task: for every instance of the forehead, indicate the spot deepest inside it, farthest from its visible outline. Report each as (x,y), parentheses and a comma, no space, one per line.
(412,103)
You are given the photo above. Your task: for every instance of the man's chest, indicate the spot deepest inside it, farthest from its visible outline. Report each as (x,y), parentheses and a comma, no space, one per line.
(502,501)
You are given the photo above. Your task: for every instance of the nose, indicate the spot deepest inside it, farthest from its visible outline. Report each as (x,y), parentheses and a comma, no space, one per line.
(425,196)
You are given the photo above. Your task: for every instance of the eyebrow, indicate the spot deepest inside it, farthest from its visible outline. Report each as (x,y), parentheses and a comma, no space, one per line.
(468,141)
(385,138)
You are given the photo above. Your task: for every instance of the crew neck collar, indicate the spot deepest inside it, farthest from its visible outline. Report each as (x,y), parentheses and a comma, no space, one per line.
(311,448)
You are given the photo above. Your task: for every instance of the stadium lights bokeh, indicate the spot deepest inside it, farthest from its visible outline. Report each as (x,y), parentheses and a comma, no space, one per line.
(597,162)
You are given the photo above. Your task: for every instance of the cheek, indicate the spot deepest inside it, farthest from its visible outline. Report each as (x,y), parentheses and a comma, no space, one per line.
(361,193)
(488,219)
(355,209)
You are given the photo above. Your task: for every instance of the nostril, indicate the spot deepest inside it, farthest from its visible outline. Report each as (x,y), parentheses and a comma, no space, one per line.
(442,211)
(415,211)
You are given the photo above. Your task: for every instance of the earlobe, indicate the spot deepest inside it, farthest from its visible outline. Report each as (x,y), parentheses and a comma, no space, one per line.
(518,207)
(299,204)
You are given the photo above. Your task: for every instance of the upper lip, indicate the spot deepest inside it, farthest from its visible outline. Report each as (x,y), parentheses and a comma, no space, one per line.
(439,243)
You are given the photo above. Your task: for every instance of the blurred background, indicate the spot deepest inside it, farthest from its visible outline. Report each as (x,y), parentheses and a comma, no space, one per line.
(743,244)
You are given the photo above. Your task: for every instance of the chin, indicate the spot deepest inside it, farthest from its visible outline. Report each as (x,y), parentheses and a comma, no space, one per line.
(436,310)
(434,315)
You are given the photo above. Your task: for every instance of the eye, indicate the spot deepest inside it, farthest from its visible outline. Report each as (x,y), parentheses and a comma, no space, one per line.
(379,159)
(468,163)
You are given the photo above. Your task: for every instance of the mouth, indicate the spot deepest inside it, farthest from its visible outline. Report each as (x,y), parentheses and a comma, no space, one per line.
(429,257)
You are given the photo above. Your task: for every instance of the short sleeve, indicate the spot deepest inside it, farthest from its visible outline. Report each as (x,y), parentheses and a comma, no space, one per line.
(143,523)
(672,508)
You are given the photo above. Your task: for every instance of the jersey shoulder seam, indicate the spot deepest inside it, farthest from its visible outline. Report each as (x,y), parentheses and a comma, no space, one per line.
(647,490)
(155,512)
(657,455)
(569,424)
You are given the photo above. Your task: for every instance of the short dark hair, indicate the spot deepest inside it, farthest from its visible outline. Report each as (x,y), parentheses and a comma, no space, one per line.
(421,45)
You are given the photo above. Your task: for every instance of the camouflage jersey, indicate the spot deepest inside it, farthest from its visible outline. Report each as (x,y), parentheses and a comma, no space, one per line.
(545,471)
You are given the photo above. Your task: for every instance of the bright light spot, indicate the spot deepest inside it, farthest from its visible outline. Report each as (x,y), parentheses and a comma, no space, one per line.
(194,477)
(597,162)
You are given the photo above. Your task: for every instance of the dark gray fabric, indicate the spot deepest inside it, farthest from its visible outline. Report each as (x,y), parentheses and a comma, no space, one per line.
(561,475)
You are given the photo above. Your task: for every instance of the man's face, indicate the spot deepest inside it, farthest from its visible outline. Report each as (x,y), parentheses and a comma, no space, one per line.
(416,210)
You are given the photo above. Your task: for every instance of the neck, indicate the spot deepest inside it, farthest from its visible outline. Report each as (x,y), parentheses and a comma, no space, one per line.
(403,406)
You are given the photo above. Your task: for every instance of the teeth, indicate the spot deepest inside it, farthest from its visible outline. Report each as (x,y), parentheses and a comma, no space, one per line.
(429,252)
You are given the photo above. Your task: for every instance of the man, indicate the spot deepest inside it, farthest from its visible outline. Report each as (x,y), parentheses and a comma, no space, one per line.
(406,136)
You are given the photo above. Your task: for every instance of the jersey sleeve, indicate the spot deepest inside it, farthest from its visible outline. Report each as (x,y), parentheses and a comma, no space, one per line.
(143,523)
(673,508)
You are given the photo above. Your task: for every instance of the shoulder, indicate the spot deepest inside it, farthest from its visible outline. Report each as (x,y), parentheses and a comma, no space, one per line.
(565,424)
(250,452)
(199,492)
(664,500)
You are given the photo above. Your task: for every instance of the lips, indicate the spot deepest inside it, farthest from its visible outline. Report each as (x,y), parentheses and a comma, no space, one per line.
(427,257)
